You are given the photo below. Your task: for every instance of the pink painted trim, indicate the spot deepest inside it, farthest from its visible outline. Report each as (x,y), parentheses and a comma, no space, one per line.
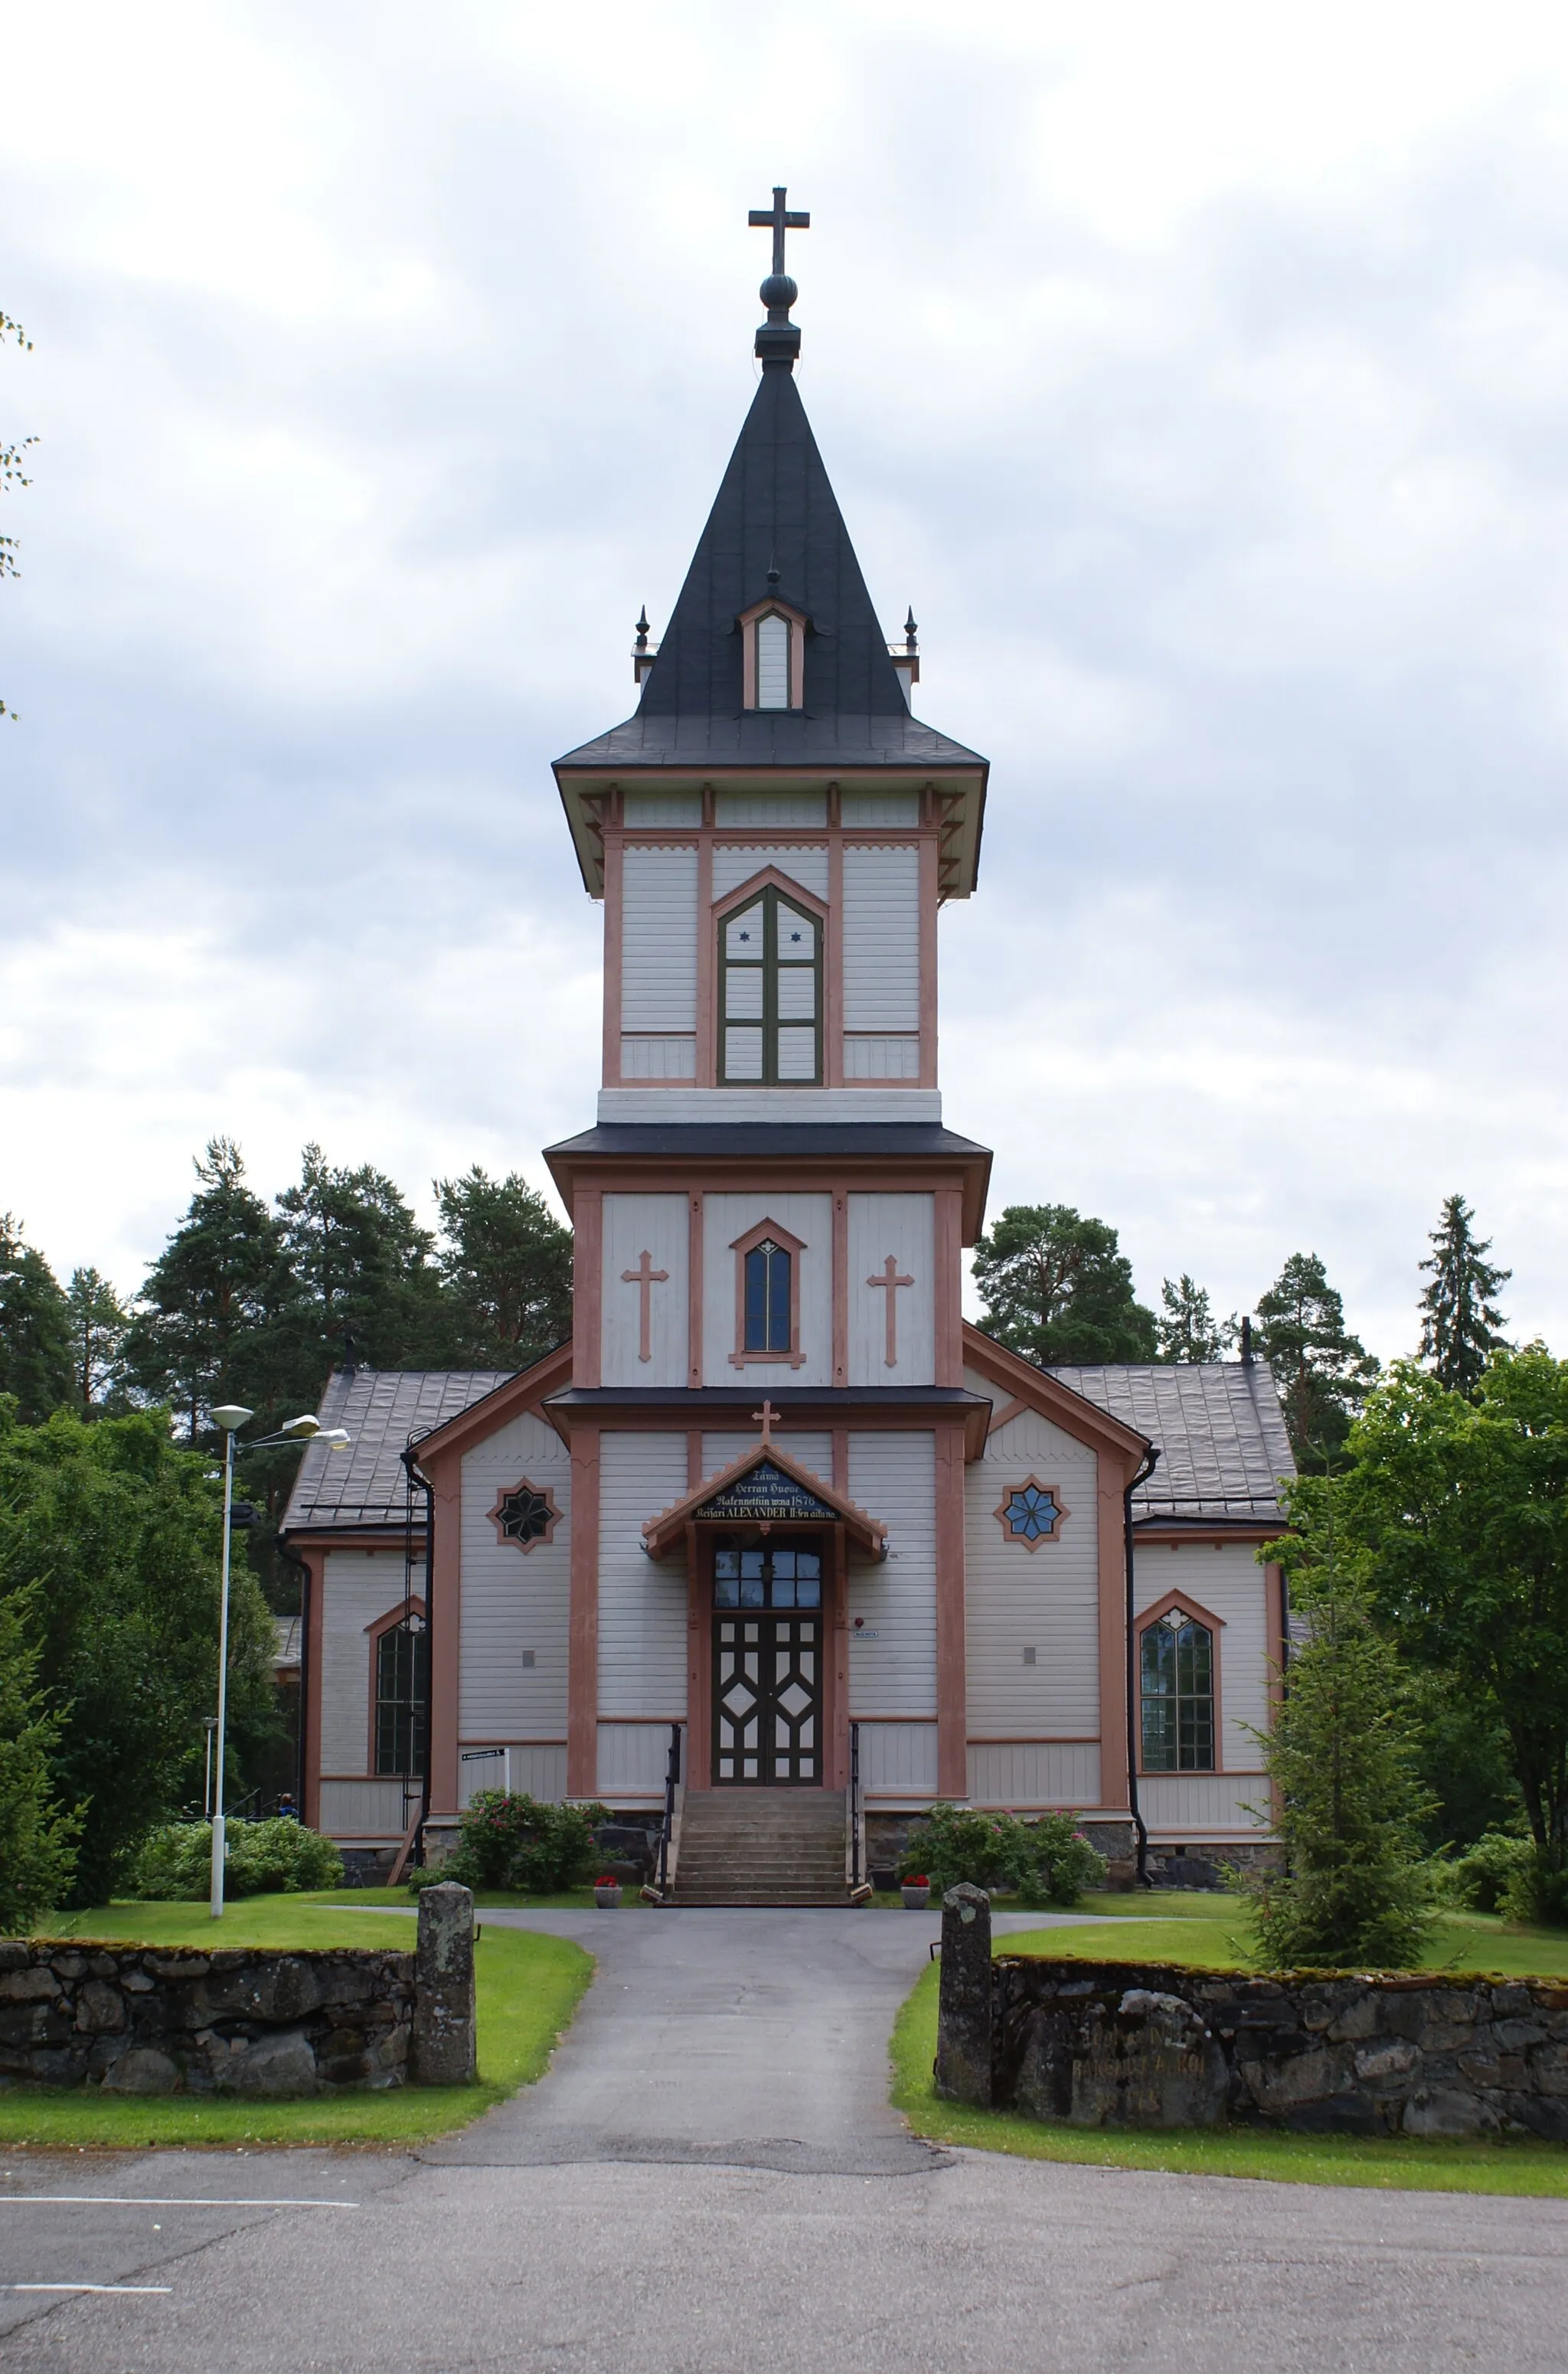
(614,929)
(928,896)
(834,1649)
(832,954)
(1003,1415)
(387,1623)
(1112,1566)
(699,1661)
(645,1277)
(695,1248)
(1022,1541)
(443,1586)
(583,1628)
(952,1712)
(840,1290)
(740,1246)
(949,1285)
(840,1459)
(693,1458)
(587,1340)
(707,958)
(890,1280)
(769,877)
(1215,1625)
(796,621)
(523,1485)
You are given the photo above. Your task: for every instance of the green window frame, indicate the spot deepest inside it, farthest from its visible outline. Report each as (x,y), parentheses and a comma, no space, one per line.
(1176,1675)
(770,995)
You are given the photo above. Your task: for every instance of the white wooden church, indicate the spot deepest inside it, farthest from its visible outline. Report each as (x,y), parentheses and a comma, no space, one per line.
(776,1504)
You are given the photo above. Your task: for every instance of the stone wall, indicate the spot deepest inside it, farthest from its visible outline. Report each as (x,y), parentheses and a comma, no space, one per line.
(135,2019)
(1140,2044)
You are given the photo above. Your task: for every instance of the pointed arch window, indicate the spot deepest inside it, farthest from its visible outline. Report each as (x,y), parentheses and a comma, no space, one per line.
(772,662)
(402,1696)
(771,995)
(773,656)
(1177,1673)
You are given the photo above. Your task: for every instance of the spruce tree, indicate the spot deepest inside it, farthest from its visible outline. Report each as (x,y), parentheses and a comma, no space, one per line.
(98,1321)
(209,1317)
(38,1852)
(1460,1317)
(1341,1762)
(1188,1329)
(364,1271)
(506,1261)
(1057,1288)
(35,1344)
(1323,1371)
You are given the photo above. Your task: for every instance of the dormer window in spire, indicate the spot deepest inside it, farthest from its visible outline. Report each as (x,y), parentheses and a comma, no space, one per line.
(773,656)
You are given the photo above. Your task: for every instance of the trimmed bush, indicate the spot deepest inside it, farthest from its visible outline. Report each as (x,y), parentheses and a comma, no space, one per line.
(1047,1861)
(279,1857)
(518,1842)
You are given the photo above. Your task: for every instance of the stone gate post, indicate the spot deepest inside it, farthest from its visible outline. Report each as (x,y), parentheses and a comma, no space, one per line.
(963,2015)
(444,2044)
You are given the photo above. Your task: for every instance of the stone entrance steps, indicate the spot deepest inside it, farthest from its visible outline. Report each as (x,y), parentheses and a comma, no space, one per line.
(778,1847)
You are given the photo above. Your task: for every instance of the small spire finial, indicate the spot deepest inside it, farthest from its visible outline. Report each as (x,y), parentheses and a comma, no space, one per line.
(773,570)
(642,628)
(910,630)
(778,341)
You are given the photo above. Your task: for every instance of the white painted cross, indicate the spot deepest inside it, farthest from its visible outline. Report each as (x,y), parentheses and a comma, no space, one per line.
(889,1282)
(646,1276)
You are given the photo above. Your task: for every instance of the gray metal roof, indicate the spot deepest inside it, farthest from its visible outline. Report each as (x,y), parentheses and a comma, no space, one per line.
(380,1408)
(1219,1429)
(750,1141)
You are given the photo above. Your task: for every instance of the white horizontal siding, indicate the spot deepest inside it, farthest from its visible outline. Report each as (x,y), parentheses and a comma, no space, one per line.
(642,1606)
(892,1659)
(1027,1772)
(881,939)
(359,1588)
(665,1105)
(658,1225)
(658,943)
(734,866)
(809,1218)
(535,1768)
(898,1759)
(633,1757)
(367,1809)
(904,1225)
(775,810)
(881,1059)
(658,1059)
(881,811)
(1203,1804)
(650,811)
(812,1452)
(515,1604)
(1228,1582)
(1046,1599)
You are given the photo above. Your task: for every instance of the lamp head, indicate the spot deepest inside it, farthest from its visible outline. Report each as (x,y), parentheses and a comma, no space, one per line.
(335,1437)
(231,1416)
(301,1429)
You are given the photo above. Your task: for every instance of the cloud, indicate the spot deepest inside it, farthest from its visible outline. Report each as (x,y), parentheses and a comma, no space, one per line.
(1200,376)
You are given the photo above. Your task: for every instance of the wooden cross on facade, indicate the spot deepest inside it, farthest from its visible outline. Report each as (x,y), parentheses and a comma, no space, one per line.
(890,1281)
(766,1419)
(646,1276)
(774,218)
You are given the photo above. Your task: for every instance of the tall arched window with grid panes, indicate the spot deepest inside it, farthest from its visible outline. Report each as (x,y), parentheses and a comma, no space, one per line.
(771,995)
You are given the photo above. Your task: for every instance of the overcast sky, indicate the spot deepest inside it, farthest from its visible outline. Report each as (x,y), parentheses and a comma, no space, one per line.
(1200,374)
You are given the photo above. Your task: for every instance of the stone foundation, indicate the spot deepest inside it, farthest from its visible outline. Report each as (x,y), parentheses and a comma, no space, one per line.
(135,2019)
(1135,2044)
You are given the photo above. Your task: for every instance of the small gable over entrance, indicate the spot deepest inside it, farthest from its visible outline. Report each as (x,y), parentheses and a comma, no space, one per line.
(765,1487)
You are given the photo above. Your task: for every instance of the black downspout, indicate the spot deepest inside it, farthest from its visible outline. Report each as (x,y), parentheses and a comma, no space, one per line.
(291,1558)
(422,1484)
(1152,1461)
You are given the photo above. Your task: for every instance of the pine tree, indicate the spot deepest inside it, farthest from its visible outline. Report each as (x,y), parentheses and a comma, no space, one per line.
(1460,1318)
(37,1838)
(1188,1329)
(35,1344)
(364,1270)
(208,1316)
(506,1261)
(98,1321)
(1341,1759)
(1057,1288)
(1323,1372)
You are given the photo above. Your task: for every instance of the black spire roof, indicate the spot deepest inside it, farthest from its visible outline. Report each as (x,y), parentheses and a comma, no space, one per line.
(775,529)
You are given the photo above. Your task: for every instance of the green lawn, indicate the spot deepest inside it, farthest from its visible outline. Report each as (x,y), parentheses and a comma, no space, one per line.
(1210,1932)
(528,1989)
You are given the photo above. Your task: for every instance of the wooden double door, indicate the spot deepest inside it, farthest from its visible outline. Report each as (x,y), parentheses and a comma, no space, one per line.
(767,1665)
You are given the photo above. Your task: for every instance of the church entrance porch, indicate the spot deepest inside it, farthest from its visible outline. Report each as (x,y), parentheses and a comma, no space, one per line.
(767,1652)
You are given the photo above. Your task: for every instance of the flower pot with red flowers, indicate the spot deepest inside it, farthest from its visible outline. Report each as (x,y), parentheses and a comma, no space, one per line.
(607,1891)
(916,1893)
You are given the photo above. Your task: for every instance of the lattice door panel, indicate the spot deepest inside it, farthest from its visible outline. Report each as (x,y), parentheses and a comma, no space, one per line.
(766,1700)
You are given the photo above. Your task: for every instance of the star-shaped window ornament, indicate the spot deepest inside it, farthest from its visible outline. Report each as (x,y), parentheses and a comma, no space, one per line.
(525,1516)
(1031,1513)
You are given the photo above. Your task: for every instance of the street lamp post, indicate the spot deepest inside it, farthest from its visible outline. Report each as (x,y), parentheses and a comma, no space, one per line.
(231,1418)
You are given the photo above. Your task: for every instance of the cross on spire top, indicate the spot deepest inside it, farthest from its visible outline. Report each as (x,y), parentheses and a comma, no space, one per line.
(778,341)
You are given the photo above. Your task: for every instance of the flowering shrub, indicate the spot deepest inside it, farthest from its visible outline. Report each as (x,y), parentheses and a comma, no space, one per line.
(264,1858)
(519,1843)
(1048,1860)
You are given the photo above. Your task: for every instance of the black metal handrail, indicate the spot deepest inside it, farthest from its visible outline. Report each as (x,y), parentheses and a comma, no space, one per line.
(854,1871)
(672,1781)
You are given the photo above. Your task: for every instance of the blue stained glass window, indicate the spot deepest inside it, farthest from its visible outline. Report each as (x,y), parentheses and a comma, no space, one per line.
(1032,1515)
(767,1298)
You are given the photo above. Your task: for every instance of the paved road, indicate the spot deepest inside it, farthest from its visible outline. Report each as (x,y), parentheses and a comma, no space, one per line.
(709,2178)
